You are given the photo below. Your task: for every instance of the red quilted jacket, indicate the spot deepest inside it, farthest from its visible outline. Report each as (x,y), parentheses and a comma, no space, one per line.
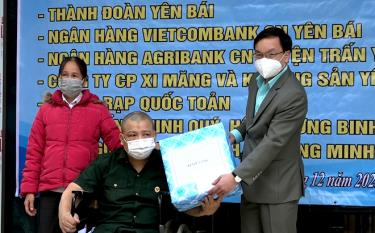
(64,141)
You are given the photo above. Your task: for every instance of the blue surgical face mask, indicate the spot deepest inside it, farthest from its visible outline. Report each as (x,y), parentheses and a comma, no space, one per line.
(71,87)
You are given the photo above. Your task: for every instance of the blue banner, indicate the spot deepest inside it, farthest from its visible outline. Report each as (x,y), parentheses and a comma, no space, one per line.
(188,64)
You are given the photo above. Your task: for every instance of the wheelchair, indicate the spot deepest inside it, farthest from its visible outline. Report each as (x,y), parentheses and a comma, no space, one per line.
(86,206)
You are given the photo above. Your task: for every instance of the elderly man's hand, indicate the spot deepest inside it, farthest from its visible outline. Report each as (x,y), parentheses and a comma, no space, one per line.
(210,205)
(68,223)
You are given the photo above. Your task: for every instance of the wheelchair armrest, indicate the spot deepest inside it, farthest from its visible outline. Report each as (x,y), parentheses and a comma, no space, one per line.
(77,197)
(85,205)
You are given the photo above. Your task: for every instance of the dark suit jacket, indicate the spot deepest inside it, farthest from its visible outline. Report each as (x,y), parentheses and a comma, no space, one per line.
(272,167)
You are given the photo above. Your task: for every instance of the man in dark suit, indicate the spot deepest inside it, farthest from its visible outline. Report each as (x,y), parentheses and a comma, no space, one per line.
(271,172)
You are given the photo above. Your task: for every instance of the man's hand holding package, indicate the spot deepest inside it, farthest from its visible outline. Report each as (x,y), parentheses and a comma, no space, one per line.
(223,185)
(207,207)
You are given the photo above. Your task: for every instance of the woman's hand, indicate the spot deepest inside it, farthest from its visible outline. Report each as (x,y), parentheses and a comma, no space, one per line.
(29,204)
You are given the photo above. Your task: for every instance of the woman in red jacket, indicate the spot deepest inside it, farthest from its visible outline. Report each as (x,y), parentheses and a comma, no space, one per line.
(63,141)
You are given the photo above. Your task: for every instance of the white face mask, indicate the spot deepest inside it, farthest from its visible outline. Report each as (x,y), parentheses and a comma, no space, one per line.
(141,148)
(268,68)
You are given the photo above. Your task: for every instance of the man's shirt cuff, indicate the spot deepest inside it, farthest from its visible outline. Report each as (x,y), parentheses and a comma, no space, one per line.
(237,135)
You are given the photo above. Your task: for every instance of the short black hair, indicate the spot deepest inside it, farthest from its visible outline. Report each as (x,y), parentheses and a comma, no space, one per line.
(137,116)
(285,40)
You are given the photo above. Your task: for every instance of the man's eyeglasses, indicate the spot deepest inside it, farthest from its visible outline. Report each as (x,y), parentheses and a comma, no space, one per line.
(258,55)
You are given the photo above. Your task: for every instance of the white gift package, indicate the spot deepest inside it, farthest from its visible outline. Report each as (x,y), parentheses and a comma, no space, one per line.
(192,161)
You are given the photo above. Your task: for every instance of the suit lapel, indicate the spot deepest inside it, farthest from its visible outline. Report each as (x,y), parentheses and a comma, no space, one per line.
(271,94)
(265,103)
(252,98)
(253,89)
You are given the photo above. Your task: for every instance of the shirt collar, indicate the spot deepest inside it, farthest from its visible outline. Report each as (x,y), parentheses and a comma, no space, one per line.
(74,102)
(271,82)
